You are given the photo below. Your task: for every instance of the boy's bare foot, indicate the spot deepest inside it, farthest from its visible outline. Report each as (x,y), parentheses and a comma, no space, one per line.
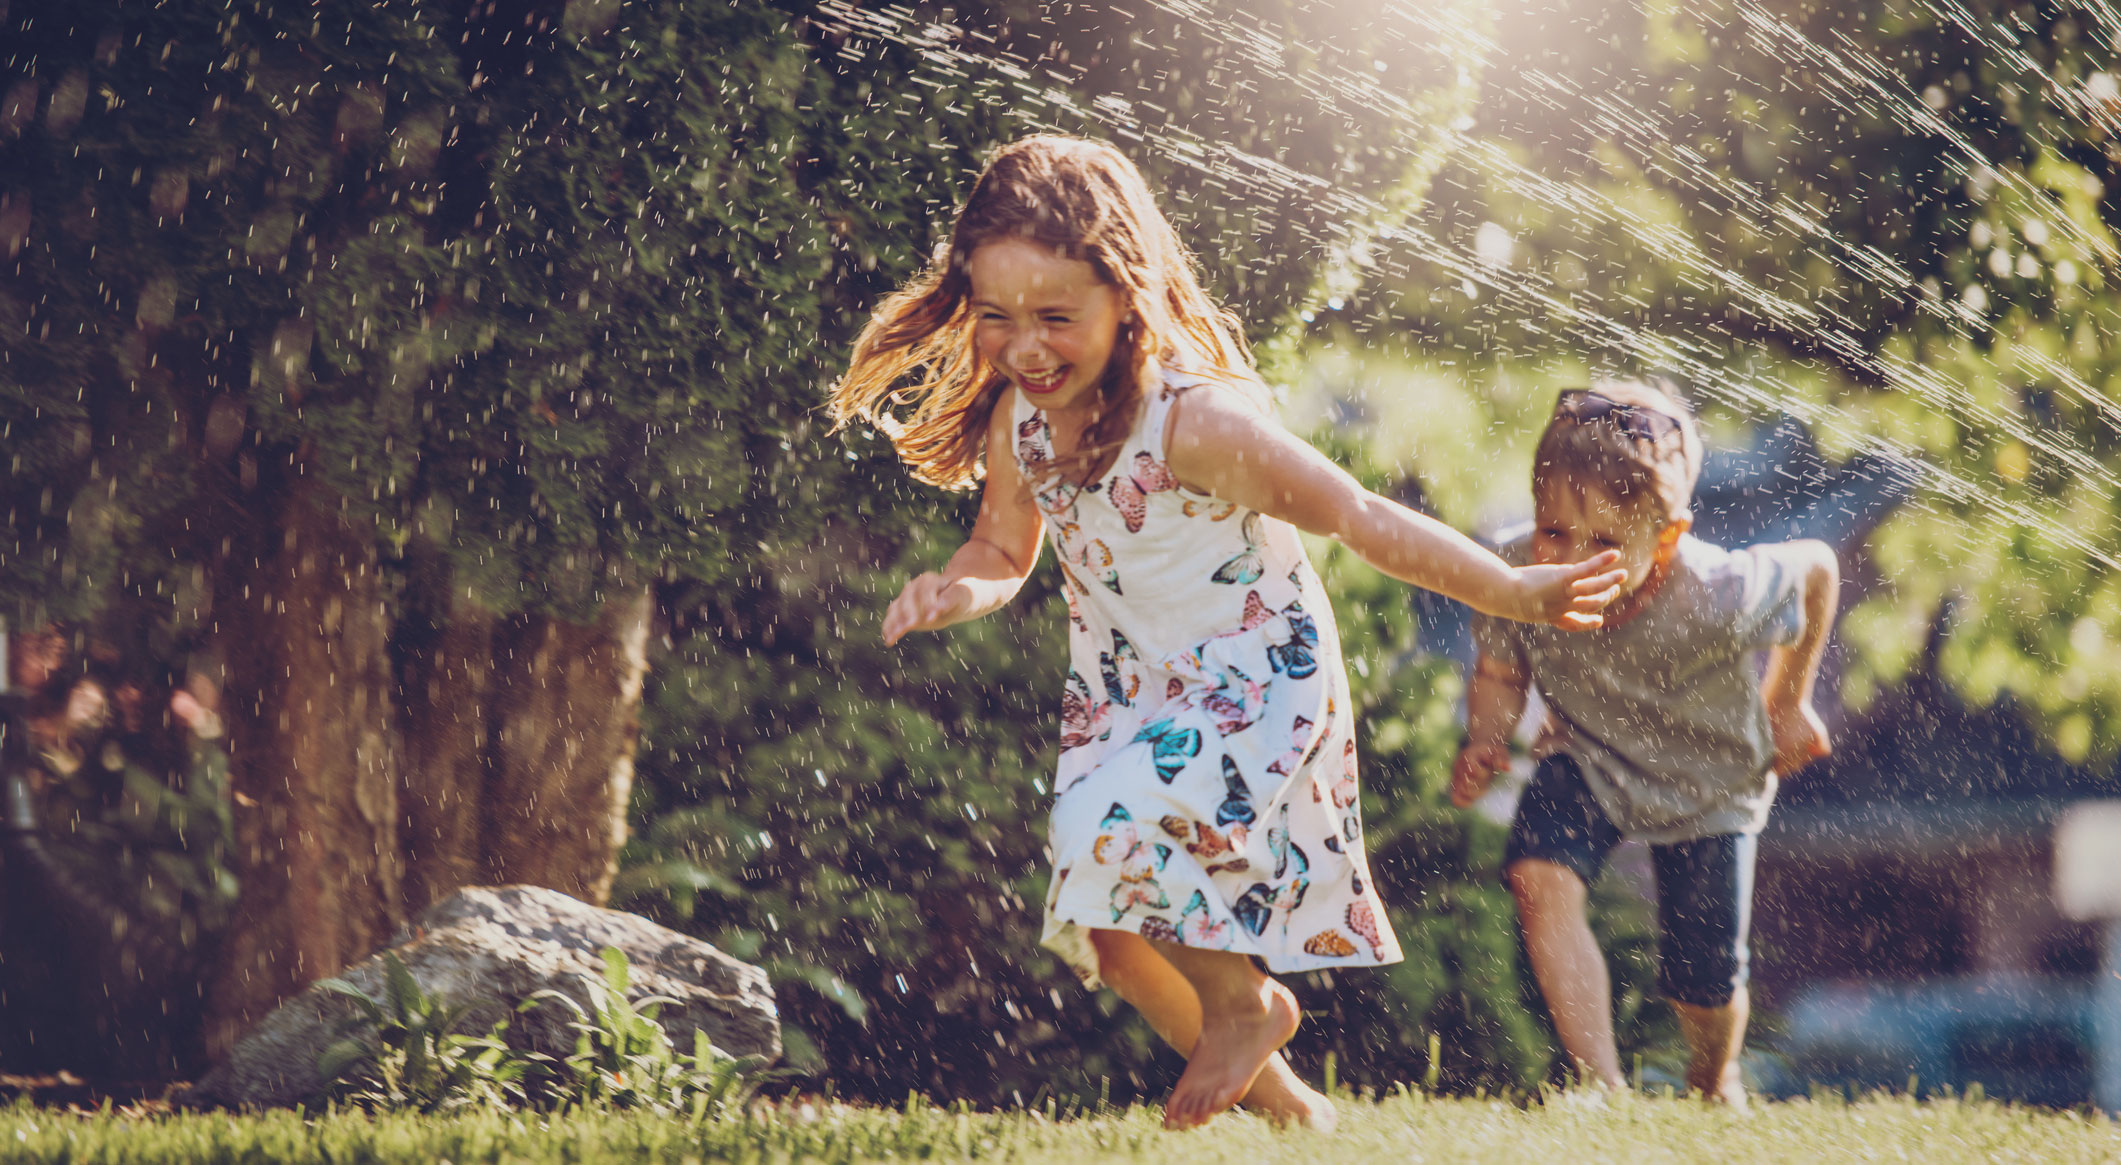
(1233,1048)
(1728,1090)
(1284,1099)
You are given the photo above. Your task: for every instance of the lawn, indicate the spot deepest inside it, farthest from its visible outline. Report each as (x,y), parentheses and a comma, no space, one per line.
(1396,1129)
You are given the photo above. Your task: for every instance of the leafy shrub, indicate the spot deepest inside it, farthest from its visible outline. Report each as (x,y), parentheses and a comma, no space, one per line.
(404,1052)
(625,1059)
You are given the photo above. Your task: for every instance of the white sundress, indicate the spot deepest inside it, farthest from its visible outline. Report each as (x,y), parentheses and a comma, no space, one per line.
(1206,792)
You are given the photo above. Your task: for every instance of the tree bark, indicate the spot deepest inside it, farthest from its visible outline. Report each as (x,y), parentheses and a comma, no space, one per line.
(304,631)
(394,744)
(566,719)
(520,739)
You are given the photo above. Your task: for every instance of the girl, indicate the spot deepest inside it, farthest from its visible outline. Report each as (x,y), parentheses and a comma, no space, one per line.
(1205,815)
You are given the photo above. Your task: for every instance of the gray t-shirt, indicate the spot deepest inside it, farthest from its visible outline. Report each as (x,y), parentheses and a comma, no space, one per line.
(1664,713)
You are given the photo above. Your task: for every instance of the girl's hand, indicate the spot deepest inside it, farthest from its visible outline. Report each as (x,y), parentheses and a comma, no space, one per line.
(1570,597)
(928,603)
(1475,770)
(1800,735)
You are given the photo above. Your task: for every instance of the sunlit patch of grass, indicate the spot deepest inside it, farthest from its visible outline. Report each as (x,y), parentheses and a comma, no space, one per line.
(1396,1129)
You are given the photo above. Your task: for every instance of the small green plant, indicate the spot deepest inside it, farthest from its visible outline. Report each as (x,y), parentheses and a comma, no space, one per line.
(624,1058)
(405,1052)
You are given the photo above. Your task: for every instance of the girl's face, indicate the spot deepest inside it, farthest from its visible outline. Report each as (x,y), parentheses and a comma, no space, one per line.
(1047,322)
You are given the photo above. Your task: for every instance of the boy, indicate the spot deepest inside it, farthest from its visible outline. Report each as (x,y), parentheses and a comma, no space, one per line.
(1659,729)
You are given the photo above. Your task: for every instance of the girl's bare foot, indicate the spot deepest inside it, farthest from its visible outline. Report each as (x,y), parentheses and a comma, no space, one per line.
(1281,1096)
(1234,1046)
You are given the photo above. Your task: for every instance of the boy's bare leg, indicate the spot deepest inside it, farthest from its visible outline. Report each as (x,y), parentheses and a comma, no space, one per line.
(1552,906)
(1245,1019)
(1152,986)
(1713,1037)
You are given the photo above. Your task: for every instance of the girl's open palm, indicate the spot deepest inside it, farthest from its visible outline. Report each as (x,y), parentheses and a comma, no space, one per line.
(1570,596)
(928,603)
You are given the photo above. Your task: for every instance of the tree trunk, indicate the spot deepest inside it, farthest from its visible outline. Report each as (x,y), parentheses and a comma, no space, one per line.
(566,720)
(304,633)
(520,737)
(500,751)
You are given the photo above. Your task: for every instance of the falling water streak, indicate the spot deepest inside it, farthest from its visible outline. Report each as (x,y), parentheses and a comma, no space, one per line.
(1646,138)
(1235,170)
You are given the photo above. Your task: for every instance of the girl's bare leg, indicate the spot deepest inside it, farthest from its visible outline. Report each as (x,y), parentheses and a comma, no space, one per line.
(1245,1019)
(1152,986)
(1551,904)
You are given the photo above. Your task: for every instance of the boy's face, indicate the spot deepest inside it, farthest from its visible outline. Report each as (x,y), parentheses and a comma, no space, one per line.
(1576,521)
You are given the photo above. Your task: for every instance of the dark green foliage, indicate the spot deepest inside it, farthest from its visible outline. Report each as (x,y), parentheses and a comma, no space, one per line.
(406,1052)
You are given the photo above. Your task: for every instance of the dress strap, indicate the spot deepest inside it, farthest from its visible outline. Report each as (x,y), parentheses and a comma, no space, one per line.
(1156,412)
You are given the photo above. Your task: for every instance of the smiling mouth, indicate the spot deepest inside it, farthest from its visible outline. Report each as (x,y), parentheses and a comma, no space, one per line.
(1043,382)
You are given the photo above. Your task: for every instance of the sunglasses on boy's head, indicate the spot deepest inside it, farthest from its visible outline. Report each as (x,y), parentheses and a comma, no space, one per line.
(1637,421)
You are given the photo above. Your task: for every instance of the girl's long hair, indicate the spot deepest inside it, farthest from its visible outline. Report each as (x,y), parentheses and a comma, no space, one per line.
(918,377)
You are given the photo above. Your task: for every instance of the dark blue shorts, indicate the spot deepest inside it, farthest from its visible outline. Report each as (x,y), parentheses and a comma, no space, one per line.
(1704,887)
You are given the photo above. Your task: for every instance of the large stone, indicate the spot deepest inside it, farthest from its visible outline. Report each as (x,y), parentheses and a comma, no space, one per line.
(489,948)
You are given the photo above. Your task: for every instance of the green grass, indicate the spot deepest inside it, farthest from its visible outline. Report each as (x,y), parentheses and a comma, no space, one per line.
(1397,1129)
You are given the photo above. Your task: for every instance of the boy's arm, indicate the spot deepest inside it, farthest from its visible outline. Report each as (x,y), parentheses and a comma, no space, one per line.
(1494,704)
(1800,736)
(1221,447)
(988,570)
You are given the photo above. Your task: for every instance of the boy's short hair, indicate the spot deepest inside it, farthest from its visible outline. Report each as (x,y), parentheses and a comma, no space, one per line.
(1600,446)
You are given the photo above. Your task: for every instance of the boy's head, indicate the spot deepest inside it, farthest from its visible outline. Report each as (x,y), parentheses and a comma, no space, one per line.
(1615,470)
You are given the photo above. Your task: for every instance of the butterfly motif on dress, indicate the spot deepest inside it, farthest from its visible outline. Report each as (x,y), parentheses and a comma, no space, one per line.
(1075,607)
(1216,509)
(1344,787)
(1146,893)
(1329,944)
(1237,798)
(1211,844)
(1197,926)
(1256,611)
(1082,719)
(1245,569)
(1234,709)
(1363,921)
(1253,908)
(1290,862)
(1295,658)
(1299,744)
(1031,440)
(1096,557)
(1130,489)
(1122,686)
(1160,928)
(1170,745)
(1138,859)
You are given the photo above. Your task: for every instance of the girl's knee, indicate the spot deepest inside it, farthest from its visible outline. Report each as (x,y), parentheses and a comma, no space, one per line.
(1117,947)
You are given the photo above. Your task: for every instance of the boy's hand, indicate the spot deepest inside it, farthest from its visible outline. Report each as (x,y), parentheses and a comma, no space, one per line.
(928,603)
(1800,736)
(1475,770)
(1569,597)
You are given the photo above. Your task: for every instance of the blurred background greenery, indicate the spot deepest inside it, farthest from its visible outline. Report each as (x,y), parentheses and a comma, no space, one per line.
(521,312)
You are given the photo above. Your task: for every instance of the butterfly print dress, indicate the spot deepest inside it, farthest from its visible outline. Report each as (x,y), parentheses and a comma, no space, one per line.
(1206,792)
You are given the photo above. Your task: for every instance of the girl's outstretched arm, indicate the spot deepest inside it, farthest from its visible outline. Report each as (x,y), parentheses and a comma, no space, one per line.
(1219,444)
(988,570)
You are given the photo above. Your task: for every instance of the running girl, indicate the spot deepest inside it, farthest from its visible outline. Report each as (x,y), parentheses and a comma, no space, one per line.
(1205,816)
